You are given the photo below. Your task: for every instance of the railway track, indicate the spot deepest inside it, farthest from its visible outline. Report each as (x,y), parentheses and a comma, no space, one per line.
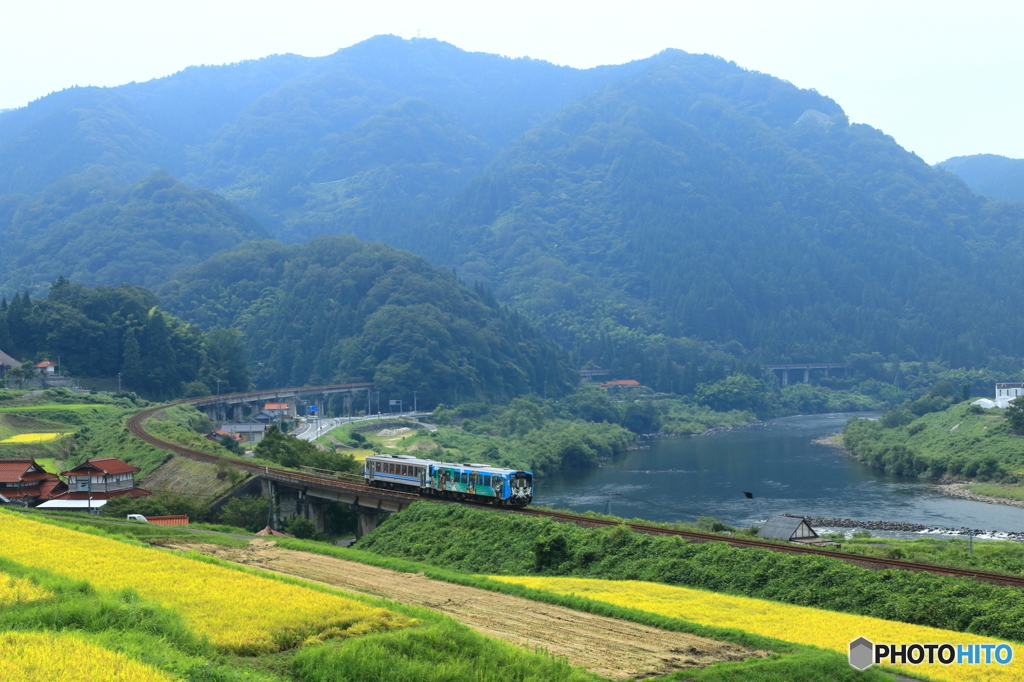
(136,428)
(866,561)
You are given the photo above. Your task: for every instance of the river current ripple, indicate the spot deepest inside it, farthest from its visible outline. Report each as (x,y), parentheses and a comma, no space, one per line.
(779,462)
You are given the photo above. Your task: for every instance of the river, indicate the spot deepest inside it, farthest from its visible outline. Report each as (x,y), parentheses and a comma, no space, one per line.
(682,478)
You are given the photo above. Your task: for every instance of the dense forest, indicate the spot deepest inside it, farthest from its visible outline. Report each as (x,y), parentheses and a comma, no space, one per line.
(94,232)
(337,310)
(109,330)
(990,174)
(675,219)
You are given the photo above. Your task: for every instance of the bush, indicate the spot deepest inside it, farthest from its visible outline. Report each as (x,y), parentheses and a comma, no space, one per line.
(249,512)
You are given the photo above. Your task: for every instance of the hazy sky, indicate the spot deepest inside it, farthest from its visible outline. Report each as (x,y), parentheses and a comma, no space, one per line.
(944,78)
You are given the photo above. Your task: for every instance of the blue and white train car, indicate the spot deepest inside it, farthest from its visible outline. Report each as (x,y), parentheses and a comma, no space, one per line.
(402,472)
(471,482)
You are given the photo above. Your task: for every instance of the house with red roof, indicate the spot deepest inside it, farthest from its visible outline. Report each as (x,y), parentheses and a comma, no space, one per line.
(46,368)
(25,482)
(102,479)
(621,383)
(278,409)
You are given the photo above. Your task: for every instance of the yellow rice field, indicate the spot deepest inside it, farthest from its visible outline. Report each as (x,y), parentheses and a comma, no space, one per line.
(49,656)
(32,437)
(18,590)
(238,612)
(798,624)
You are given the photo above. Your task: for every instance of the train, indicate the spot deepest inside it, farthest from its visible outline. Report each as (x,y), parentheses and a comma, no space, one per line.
(469,482)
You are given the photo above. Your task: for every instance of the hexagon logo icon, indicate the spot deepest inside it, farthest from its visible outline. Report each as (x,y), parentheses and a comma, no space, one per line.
(862,653)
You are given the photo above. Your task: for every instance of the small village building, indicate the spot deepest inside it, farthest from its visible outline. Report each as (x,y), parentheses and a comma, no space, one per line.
(621,384)
(217,434)
(64,504)
(1009,390)
(250,432)
(177,520)
(46,367)
(278,409)
(788,528)
(23,481)
(102,479)
(7,363)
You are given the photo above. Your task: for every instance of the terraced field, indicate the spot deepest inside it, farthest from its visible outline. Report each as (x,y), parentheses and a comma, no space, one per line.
(612,648)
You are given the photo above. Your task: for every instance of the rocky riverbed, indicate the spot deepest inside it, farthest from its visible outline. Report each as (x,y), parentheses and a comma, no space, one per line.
(817,522)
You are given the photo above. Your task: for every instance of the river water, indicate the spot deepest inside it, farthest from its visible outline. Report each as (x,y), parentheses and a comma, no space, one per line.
(683,478)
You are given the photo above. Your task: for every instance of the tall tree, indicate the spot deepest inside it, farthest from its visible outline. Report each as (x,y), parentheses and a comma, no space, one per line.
(131,367)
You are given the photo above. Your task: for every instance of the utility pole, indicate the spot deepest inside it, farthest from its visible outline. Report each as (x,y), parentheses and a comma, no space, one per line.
(118,382)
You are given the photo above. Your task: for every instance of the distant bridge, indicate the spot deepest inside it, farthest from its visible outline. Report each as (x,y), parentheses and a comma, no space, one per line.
(806,367)
(216,406)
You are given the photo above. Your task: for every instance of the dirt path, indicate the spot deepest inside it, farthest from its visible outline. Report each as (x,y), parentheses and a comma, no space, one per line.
(612,648)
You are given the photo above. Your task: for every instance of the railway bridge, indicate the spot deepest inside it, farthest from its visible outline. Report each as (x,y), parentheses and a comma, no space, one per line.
(293,492)
(310,492)
(217,406)
(805,367)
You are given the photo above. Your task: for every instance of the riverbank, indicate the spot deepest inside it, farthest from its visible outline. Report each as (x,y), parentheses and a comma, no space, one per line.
(961,491)
(902,527)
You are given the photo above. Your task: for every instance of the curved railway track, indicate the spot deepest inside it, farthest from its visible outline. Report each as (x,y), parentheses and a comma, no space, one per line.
(136,428)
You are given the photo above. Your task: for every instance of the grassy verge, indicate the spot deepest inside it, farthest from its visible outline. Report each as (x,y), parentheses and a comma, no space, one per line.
(462,538)
(1008,492)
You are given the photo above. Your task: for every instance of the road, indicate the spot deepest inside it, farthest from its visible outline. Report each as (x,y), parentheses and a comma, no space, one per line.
(314,428)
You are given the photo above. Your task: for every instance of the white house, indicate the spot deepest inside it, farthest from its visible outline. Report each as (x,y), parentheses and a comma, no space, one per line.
(1009,390)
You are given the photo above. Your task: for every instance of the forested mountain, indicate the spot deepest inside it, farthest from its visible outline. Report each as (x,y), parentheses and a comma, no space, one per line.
(359,141)
(698,199)
(340,310)
(655,217)
(109,330)
(96,233)
(990,174)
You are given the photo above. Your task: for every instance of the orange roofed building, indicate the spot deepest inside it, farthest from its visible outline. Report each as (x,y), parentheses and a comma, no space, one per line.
(102,479)
(26,482)
(621,383)
(46,367)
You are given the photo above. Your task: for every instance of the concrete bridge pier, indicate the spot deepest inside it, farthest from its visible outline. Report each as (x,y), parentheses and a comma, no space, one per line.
(367,520)
(237,412)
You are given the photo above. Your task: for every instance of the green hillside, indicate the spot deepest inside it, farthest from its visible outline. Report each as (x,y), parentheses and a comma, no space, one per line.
(340,310)
(688,201)
(990,174)
(96,233)
(961,442)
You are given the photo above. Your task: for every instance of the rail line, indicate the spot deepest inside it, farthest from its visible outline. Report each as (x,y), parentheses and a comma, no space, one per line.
(865,561)
(135,426)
